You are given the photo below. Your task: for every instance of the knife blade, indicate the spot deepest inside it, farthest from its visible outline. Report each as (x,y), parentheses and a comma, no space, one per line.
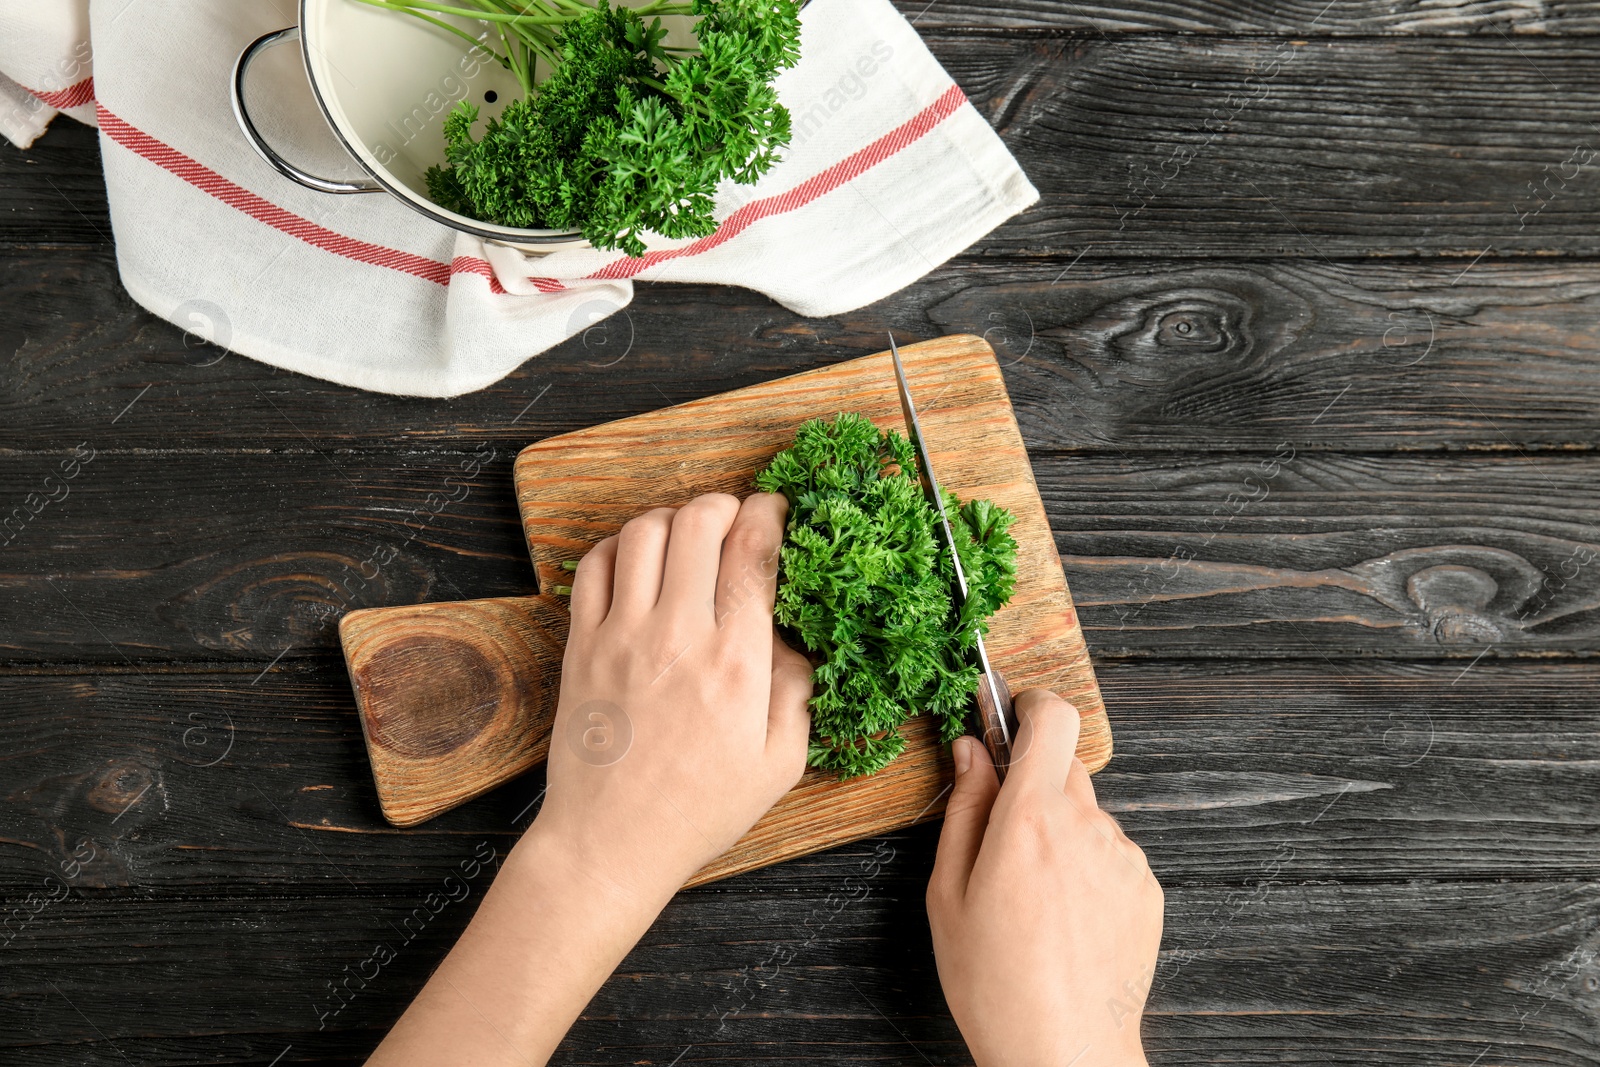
(996,721)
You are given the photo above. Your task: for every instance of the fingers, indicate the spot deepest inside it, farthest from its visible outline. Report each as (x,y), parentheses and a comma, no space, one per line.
(788,719)
(747,581)
(694,552)
(641,558)
(1047,738)
(713,550)
(966,818)
(591,586)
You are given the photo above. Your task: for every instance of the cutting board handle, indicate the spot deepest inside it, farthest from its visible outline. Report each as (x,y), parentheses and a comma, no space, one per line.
(456,698)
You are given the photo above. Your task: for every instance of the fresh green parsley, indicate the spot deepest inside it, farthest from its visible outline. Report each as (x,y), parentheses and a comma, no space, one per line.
(625,135)
(865,586)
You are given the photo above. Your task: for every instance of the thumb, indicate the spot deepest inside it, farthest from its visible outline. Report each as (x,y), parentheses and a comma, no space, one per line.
(788,715)
(966,818)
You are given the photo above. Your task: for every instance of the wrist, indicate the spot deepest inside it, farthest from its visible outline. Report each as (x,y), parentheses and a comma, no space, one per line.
(565,862)
(1120,1056)
(1026,1046)
(635,863)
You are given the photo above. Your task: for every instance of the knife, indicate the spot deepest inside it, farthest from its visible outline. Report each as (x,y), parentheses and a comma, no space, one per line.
(995,719)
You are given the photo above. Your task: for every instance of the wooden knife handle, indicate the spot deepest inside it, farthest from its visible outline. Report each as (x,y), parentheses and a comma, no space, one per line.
(990,717)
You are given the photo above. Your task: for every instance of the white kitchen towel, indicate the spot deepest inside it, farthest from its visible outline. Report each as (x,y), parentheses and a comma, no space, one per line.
(891,172)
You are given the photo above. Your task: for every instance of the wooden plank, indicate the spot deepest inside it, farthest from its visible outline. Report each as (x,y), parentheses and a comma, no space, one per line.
(1247,147)
(1338,974)
(1304,18)
(1375,771)
(1319,554)
(1315,148)
(246,557)
(214,557)
(1121,357)
(1326,356)
(54,193)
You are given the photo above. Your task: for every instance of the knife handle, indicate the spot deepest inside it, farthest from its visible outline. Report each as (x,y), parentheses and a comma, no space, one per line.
(990,716)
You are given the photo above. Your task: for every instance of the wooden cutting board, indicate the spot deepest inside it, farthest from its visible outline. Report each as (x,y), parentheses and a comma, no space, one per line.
(458,698)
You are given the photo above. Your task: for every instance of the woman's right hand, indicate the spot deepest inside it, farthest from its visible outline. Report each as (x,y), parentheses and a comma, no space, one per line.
(1046,919)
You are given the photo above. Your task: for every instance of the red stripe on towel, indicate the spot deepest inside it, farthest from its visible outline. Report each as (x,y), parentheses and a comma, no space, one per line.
(73,95)
(852,166)
(238,197)
(262,210)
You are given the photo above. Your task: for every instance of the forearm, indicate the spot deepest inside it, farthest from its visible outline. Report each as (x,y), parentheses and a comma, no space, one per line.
(546,937)
(711,741)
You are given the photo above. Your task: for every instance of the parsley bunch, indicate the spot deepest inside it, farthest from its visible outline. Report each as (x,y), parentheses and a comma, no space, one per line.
(865,586)
(626,134)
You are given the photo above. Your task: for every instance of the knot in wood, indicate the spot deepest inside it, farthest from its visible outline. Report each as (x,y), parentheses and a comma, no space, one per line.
(121,784)
(1455,599)
(1214,325)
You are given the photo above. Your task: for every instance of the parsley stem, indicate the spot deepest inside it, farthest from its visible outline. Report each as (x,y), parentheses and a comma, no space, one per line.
(471,13)
(512,61)
(652,83)
(457,30)
(529,12)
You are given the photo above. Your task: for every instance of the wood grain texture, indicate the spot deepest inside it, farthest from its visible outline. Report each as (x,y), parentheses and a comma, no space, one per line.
(192,561)
(1270,550)
(1428,771)
(1309,148)
(1344,357)
(1301,18)
(454,698)
(1128,357)
(1339,973)
(1239,555)
(54,193)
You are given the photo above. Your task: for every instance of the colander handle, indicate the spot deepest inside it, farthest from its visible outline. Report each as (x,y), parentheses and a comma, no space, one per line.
(259,143)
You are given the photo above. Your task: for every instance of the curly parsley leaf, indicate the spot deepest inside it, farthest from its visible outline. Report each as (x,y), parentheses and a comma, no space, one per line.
(865,588)
(626,135)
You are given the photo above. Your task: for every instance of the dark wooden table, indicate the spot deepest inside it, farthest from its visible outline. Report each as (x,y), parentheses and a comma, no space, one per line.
(1305,341)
